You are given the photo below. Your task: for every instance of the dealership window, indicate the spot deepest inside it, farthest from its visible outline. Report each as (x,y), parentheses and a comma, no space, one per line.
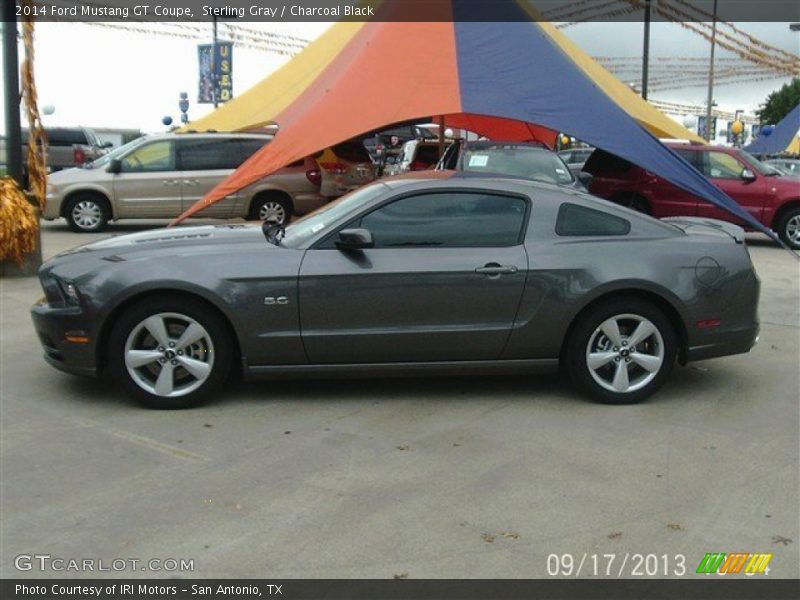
(156,156)
(722,166)
(576,220)
(448,220)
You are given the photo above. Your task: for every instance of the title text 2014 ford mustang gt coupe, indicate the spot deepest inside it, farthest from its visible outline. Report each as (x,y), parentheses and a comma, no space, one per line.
(433,272)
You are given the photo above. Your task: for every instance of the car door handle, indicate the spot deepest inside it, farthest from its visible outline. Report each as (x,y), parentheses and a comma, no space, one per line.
(496,269)
(190,181)
(171,182)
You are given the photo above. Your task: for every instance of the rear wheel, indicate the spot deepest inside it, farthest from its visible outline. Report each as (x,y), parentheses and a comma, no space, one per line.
(87,213)
(271,207)
(789,228)
(170,353)
(621,351)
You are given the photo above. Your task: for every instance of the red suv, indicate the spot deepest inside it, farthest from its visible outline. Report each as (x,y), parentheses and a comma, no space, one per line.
(771,198)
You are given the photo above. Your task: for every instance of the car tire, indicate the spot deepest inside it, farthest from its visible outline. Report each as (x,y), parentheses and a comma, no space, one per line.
(271,205)
(789,228)
(170,352)
(87,213)
(604,362)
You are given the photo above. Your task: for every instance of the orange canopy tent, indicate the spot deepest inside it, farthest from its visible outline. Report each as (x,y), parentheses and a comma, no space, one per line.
(518,79)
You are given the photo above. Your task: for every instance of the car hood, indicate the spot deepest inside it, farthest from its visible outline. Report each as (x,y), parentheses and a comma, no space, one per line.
(77,175)
(169,241)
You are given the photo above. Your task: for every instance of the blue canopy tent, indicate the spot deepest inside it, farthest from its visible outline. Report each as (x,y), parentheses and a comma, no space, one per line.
(780,138)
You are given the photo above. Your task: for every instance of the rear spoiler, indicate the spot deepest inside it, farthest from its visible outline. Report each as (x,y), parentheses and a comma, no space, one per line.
(700,225)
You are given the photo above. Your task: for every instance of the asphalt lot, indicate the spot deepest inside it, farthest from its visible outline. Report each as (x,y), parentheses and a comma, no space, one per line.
(451,477)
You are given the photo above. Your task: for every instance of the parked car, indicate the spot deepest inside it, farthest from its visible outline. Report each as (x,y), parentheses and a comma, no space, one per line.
(376,142)
(161,176)
(345,167)
(416,155)
(424,273)
(772,199)
(66,147)
(575,158)
(787,166)
(527,160)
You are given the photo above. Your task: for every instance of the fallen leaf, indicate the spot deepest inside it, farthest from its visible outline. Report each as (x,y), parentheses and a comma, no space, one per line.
(675,527)
(402,447)
(488,538)
(614,535)
(510,535)
(779,539)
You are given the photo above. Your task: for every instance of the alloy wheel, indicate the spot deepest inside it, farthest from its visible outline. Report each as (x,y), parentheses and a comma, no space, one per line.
(169,354)
(625,353)
(793,229)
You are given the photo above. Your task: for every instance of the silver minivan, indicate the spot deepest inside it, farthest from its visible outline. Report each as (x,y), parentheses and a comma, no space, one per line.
(162,175)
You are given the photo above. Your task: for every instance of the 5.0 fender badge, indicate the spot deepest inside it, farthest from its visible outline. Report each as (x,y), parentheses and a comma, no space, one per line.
(270,300)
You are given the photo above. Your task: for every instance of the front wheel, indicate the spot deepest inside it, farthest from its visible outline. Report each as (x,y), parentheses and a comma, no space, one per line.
(87,213)
(789,228)
(621,351)
(170,353)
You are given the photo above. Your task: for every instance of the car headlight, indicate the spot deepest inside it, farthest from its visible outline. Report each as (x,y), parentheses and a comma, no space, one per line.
(69,291)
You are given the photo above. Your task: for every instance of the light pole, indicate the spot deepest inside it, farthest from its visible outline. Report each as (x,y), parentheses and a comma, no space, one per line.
(646,52)
(711,75)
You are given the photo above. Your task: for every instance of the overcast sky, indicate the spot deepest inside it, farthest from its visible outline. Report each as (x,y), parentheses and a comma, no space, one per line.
(104,77)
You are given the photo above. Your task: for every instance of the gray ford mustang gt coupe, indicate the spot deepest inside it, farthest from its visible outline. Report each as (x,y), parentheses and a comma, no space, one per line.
(434,272)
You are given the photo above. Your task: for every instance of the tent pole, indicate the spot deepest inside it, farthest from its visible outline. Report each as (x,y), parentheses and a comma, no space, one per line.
(708,135)
(441,136)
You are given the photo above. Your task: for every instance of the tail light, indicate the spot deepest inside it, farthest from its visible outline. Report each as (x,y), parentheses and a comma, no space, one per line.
(314,176)
(78,155)
(336,168)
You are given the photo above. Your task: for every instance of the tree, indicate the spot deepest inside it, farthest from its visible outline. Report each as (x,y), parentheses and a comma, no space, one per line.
(780,103)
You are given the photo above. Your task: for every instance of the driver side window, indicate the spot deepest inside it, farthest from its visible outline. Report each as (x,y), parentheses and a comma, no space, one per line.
(154,157)
(448,220)
(719,165)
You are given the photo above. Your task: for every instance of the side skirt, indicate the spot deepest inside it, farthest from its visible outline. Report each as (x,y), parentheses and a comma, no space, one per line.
(401,369)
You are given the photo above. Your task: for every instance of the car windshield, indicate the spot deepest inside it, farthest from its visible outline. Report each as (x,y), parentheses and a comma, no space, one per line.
(518,161)
(303,229)
(115,153)
(760,167)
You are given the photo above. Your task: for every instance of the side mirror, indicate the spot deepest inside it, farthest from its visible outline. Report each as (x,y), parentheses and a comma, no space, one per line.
(585,178)
(354,239)
(748,175)
(114,166)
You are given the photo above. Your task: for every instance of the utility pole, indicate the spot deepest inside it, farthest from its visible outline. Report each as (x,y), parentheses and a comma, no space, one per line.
(12,97)
(708,135)
(646,53)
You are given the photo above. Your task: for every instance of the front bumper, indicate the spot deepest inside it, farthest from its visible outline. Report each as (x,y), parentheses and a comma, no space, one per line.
(54,325)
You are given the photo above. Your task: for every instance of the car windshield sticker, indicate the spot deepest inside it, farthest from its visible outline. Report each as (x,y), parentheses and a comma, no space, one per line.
(560,171)
(478,160)
(317,228)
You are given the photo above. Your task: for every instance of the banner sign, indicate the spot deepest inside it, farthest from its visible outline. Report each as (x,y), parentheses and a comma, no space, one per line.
(215,72)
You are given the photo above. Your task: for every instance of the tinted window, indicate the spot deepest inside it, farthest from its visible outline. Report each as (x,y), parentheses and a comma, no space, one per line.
(249,147)
(693,157)
(602,162)
(352,151)
(208,154)
(65,137)
(155,156)
(574,219)
(448,219)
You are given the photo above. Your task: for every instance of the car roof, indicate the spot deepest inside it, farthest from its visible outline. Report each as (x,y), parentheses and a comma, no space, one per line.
(207,135)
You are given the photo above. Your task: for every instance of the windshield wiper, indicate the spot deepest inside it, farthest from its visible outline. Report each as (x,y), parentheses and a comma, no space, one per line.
(273,232)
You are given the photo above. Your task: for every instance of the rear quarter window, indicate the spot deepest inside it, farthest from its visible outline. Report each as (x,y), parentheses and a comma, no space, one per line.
(576,220)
